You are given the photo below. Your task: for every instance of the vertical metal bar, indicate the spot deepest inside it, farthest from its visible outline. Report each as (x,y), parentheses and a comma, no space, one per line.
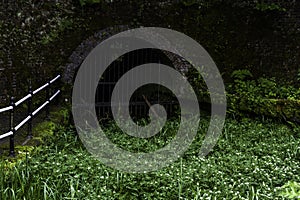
(11,124)
(57,85)
(47,99)
(29,105)
(158,92)
(105,89)
(127,68)
(96,100)
(135,61)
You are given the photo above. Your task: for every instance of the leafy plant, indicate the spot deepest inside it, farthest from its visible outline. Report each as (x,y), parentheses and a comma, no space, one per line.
(291,190)
(241,74)
(264,96)
(62,25)
(265,6)
(84,2)
(249,161)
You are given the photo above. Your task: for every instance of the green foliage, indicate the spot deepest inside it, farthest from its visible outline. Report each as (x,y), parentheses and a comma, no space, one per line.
(263,96)
(250,161)
(241,74)
(25,25)
(199,86)
(63,24)
(45,129)
(268,88)
(189,2)
(85,2)
(291,190)
(265,6)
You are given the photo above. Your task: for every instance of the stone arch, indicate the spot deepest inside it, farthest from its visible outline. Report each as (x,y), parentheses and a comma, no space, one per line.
(104,90)
(82,51)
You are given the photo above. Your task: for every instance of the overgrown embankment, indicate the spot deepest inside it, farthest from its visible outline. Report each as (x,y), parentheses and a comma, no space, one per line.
(253,159)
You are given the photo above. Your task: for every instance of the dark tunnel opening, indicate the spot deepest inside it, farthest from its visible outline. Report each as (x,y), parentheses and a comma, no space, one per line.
(143,97)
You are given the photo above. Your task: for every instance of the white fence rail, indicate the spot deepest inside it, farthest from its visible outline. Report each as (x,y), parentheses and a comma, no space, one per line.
(28,119)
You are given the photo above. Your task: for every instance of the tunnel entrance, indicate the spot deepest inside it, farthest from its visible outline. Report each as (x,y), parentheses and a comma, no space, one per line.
(143,97)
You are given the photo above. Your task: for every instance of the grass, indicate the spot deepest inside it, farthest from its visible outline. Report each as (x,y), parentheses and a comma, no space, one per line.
(252,160)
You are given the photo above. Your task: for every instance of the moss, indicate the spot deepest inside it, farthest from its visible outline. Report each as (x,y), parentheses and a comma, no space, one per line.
(43,133)
(44,130)
(276,108)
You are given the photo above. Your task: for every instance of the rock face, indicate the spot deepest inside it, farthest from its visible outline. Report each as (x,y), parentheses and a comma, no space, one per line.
(3,76)
(26,27)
